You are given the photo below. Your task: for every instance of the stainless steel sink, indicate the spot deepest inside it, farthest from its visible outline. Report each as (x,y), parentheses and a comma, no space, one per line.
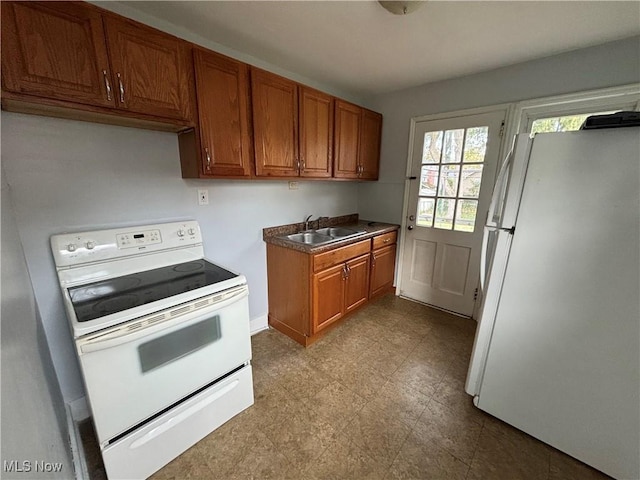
(323,235)
(311,238)
(338,232)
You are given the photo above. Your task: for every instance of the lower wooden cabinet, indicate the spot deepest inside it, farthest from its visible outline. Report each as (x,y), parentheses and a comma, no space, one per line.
(308,293)
(383,263)
(339,290)
(383,266)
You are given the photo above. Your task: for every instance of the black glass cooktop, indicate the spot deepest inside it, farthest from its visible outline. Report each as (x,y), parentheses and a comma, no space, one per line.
(98,299)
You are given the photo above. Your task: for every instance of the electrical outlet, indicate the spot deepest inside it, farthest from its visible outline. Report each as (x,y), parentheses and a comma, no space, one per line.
(293,185)
(203,197)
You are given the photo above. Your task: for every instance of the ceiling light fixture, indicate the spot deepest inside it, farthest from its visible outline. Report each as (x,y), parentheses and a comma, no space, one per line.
(402,8)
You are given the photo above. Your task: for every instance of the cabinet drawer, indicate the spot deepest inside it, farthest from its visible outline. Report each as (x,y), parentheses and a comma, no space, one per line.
(339,255)
(384,240)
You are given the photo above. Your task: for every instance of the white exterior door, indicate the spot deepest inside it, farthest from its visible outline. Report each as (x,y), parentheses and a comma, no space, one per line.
(453,167)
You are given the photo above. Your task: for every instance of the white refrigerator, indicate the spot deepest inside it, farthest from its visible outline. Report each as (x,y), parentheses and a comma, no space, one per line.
(557,349)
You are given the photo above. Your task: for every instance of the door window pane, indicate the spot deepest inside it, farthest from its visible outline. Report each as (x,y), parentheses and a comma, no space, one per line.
(450,178)
(452,146)
(466,215)
(425,212)
(432,147)
(471,178)
(475,145)
(429,180)
(444,213)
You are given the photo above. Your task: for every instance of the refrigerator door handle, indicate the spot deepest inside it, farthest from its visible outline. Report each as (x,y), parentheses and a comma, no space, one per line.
(500,190)
(483,256)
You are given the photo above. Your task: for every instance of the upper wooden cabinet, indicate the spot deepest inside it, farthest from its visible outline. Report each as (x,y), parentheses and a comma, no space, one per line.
(75,56)
(56,51)
(357,142)
(292,128)
(222,86)
(369,151)
(151,70)
(275,124)
(316,133)
(347,137)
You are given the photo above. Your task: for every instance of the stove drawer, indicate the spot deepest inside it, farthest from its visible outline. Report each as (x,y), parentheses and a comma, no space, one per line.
(131,375)
(149,448)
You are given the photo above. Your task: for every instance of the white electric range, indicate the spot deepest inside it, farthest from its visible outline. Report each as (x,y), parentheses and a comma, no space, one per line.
(162,336)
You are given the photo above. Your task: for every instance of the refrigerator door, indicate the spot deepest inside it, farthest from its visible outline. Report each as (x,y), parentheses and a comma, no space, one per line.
(563,357)
(496,242)
(488,311)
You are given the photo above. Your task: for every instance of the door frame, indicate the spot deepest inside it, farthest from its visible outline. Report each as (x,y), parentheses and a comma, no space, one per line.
(507,108)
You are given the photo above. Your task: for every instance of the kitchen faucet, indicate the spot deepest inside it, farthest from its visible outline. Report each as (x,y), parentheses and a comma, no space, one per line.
(306,222)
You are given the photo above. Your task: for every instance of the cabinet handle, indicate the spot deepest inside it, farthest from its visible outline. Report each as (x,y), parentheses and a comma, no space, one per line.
(121,87)
(107,84)
(208,155)
(348,270)
(344,272)
(386,240)
(298,164)
(373,260)
(303,166)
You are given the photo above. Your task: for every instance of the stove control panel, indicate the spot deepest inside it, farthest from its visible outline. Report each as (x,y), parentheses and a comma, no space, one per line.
(72,249)
(137,239)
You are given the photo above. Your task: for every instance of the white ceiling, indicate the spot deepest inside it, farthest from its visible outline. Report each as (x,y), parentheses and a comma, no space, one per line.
(358,46)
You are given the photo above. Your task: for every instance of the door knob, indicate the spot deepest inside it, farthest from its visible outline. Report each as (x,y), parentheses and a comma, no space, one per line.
(410,227)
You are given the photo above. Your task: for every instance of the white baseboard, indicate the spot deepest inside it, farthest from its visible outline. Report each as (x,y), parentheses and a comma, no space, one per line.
(259,324)
(77,410)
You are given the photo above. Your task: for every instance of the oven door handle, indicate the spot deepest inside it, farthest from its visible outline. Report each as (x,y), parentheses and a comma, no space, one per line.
(122,335)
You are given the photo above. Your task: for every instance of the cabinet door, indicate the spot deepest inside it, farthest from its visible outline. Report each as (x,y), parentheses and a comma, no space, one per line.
(56,50)
(369,151)
(347,137)
(275,124)
(357,284)
(151,70)
(328,296)
(316,133)
(223,103)
(383,266)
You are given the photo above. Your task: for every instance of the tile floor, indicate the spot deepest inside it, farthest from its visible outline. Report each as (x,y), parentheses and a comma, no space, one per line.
(379,397)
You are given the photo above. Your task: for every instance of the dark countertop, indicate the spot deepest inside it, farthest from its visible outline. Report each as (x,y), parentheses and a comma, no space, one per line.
(275,235)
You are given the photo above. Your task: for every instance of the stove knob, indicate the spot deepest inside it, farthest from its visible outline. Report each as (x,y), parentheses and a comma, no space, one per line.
(71,247)
(90,245)
(192,231)
(181,233)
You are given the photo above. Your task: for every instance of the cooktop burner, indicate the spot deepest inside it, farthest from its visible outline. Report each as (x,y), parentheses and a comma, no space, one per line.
(102,298)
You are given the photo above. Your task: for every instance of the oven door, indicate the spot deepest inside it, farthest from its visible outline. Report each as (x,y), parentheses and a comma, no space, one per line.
(138,369)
